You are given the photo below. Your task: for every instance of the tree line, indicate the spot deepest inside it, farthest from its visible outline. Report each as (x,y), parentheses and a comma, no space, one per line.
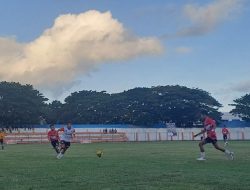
(24,105)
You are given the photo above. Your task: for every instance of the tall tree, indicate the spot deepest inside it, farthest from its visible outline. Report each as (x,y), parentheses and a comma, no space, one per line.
(20,104)
(242,107)
(54,112)
(86,107)
(141,106)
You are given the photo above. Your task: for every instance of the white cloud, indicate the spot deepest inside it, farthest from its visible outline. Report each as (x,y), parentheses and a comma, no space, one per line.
(243,86)
(206,18)
(73,46)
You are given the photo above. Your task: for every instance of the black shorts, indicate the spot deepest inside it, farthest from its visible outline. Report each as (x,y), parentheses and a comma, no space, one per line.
(209,140)
(54,143)
(1,141)
(67,144)
(225,137)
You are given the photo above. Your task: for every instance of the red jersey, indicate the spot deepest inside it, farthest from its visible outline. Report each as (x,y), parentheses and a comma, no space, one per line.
(53,135)
(225,131)
(209,127)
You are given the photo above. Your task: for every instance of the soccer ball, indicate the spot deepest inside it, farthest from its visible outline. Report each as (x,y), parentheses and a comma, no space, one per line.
(99,153)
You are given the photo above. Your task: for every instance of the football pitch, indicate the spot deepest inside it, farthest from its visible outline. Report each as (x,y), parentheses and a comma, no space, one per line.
(125,166)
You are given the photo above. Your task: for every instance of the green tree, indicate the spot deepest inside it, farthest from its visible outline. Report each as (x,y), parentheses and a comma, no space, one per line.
(54,112)
(178,104)
(20,104)
(141,106)
(86,107)
(242,107)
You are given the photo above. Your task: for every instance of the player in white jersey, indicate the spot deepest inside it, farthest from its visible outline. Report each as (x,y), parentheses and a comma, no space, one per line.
(66,138)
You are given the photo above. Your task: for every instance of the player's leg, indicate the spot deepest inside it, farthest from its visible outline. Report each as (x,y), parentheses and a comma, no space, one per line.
(225,140)
(61,149)
(215,144)
(67,145)
(1,142)
(228,153)
(64,146)
(55,146)
(202,150)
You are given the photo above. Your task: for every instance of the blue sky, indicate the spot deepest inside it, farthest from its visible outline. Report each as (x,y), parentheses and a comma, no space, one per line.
(65,46)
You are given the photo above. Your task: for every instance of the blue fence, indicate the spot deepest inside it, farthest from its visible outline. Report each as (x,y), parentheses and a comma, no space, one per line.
(235,124)
(230,124)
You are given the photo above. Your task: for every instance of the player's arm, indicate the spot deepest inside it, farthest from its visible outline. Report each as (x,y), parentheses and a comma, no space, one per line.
(57,136)
(74,134)
(202,131)
(61,129)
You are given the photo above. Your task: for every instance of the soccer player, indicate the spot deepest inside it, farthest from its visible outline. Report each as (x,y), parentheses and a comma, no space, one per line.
(66,138)
(209,128)
(54,138)
(2,135)
(225,133)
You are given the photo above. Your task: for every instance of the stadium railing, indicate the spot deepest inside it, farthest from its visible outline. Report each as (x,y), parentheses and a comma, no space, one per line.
(134,134)
(81,137)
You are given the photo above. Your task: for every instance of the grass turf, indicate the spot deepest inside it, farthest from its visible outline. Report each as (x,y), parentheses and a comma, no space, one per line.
(125,166)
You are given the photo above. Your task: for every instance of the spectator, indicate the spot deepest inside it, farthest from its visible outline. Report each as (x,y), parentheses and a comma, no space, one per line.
(2,136)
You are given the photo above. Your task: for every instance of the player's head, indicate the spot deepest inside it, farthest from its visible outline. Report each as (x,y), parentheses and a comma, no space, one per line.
(69,125)
(52,126)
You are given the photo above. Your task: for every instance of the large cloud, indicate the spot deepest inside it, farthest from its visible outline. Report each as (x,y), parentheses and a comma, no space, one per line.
(243,86)
(206,18)
(73,46)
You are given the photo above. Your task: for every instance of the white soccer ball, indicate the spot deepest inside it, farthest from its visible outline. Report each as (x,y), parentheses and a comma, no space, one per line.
(99,153)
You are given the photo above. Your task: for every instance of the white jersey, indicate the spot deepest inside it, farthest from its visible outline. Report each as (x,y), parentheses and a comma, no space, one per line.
(67,134)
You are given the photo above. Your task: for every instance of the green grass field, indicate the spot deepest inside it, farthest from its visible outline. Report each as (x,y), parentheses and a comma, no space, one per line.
(127,166)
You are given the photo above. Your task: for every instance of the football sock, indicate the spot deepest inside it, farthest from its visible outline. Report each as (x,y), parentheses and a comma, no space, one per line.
(202,154)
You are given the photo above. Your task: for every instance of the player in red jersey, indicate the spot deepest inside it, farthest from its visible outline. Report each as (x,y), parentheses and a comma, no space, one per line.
(209,128)
(225,133)
(54,138)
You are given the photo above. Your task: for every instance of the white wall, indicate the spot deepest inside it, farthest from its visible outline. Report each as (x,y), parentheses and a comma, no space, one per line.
(153,134)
